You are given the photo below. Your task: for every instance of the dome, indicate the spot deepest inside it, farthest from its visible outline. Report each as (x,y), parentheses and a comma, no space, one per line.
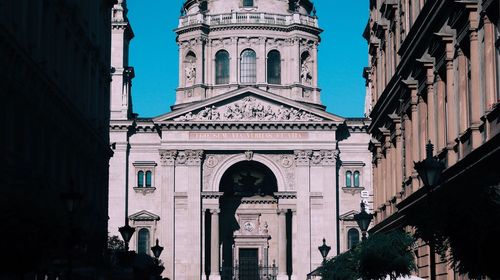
(305,7)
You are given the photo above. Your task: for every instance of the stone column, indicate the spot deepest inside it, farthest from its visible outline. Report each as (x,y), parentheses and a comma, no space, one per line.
(303,179)
(234,61)
(441,114)
(431,101)
(261,61)
(282,245)
(475,88)
(415,132)
(489,62)
(167,159)
(203,234)
(295,253)
(214,246)
(451,116)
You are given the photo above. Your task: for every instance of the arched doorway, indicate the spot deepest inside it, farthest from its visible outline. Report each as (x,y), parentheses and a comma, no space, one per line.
(248,189)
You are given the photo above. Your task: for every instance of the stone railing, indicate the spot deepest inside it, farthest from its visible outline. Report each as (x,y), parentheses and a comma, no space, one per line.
(247,18)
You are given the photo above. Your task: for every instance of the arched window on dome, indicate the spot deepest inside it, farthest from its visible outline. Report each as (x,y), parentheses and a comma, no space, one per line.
(247,3)
(274,67)
(140,179)
(356,179)
(248,67)
(348,179)
(222,67)
(149,179)
(352,238)
(143,241)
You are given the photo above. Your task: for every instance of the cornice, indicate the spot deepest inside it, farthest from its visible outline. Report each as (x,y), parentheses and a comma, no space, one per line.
(256,26)
(246,126)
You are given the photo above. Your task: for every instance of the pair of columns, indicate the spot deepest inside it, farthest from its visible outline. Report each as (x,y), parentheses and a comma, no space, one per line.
(215,249)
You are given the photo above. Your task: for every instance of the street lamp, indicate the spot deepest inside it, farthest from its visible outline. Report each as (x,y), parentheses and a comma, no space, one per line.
(71,200)
(126,232)
(324,250)
(363,219)
(157,249)
(429,169)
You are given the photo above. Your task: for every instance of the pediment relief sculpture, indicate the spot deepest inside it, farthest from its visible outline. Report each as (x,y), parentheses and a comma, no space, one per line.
(249,109)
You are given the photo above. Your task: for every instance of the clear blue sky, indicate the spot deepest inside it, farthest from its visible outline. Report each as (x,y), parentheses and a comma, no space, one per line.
(342,55)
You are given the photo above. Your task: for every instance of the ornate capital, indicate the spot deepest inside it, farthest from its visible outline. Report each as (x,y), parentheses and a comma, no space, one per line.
(302,157)
(167,157)
(214,211)
(194,157)
(330,157)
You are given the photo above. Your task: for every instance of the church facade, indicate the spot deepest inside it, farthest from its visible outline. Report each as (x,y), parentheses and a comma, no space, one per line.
(248,173)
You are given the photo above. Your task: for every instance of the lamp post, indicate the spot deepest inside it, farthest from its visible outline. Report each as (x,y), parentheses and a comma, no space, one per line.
(126,232)
(429,169)
(157,249)
(324,250)
(71,200)
(363,219)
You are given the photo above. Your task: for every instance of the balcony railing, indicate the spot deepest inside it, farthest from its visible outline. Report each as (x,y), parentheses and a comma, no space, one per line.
(249,273)
(247,18)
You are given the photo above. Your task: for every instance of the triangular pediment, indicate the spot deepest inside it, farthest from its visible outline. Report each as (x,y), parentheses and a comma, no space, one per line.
(349,215)
(144,216)
(248,105)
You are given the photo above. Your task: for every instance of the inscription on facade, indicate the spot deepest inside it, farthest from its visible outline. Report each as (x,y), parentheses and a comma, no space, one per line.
(248,135)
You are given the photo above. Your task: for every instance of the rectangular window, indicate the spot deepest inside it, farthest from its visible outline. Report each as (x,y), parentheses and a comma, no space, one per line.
(247,3)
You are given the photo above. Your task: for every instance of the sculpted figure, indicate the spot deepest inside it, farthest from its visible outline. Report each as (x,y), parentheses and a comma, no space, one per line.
(305,72)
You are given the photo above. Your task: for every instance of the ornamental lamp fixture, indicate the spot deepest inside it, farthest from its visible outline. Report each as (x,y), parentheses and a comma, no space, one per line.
(324,250)
(429,169)
(72,199)
(157,249)
(126,232)
(363,219)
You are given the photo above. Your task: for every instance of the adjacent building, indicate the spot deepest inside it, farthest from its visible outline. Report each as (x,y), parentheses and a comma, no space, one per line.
(433,76)
(55,58)
(248,172)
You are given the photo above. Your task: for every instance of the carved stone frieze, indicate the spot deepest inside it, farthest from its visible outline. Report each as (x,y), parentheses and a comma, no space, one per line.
(302,157)
(167,157)
(194,157)
(249,109)
(324,157)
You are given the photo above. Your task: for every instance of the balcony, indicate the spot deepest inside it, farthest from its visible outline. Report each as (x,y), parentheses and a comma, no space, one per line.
(247,18)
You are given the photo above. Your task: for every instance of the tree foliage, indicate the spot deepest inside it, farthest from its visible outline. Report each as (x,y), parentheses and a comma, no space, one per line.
(386,254)
(341,267)
(464,233)
(377,257)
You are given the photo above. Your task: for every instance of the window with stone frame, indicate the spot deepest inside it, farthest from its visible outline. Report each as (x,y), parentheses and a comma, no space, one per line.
(143,241)
(352,172)
(248,3)
(222,67)
(274,67)
(348,179)
(352,238)
(146,225)
(248,67)
(145,174)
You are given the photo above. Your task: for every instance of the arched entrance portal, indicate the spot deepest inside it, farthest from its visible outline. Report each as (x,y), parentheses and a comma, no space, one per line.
(248,207)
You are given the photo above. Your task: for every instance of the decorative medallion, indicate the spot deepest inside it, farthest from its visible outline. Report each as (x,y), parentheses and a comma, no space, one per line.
(248,226)
(212,161)
(286,161)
